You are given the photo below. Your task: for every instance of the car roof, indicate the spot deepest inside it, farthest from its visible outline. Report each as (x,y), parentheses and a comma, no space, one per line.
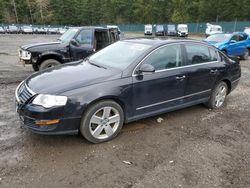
(158,42)
(233,33)
(89,27)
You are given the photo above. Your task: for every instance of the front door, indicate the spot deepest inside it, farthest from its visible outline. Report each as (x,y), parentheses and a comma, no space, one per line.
(156,92)
(84,46)
(236,46)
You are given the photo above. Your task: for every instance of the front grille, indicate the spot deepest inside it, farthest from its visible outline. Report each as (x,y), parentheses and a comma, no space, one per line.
(24,94)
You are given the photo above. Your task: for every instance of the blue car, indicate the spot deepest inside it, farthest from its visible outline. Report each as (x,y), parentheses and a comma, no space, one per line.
(235,44)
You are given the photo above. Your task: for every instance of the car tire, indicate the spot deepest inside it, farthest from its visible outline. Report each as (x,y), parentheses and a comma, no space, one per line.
(49,63)
(218,96)
(35,67)
(225,52)
(95,124)
(246,55)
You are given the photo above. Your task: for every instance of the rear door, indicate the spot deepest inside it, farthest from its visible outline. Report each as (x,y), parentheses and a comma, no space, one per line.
(84,45)
(202,68)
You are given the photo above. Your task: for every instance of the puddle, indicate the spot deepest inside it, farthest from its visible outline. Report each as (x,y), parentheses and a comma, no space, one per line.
(133,127)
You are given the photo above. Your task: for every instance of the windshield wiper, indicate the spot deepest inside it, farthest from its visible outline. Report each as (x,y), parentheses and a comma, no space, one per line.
(91,63)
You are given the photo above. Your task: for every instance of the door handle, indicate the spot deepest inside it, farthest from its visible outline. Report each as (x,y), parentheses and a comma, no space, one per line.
(214,71)
(180,77)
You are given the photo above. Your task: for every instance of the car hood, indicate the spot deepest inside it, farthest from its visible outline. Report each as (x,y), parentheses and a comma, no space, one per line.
(45,46)
(71,76)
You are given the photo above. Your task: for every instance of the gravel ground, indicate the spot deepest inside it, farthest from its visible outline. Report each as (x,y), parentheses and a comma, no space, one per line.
(193,147)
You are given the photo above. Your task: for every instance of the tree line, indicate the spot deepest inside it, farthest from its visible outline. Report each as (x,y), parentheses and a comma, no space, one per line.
(95,12)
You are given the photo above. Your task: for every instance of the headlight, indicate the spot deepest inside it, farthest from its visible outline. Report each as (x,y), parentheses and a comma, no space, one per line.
(48,101)
(25,55)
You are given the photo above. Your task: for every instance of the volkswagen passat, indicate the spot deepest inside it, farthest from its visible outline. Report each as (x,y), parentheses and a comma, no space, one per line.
(127,81)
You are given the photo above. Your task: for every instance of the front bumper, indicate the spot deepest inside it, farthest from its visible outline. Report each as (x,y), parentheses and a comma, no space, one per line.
(36,118)
(183,34)
(159,33)
(234,84)
(29,116)
(172,34)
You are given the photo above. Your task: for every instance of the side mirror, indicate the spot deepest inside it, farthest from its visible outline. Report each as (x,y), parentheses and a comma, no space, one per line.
(233,41)
(146,68)
(74,42)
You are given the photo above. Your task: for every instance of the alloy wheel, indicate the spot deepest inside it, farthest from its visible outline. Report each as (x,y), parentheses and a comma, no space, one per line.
(220,96)
(104,123)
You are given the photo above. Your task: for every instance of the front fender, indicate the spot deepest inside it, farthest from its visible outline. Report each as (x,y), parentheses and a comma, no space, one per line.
(118,90)
(48,55)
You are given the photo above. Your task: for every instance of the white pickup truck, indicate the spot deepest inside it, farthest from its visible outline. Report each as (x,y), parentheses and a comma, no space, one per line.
(148,29)
(182,30)
(213,29)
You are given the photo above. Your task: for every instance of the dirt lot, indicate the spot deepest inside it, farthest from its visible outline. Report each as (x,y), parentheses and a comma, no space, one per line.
(194,147)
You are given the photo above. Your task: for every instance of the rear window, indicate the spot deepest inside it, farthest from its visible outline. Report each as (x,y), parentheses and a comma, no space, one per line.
(213,55)
(197,54)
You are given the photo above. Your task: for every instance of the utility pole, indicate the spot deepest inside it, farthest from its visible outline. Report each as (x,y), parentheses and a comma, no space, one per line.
(235,24)
(15,10)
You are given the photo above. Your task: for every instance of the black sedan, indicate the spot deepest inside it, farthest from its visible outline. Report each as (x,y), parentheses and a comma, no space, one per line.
(127,81)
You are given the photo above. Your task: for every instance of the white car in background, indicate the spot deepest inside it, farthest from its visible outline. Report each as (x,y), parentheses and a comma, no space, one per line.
(182,30)
(213,29)
(26,30)
(62,30)
(247,30)
(148,29)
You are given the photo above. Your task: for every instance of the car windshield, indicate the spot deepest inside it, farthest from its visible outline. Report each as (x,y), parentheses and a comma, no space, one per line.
(159,28)
(12,27)
(68,35)
(183,28)
(27,27)
(119,55)
(219,38)
(171,27)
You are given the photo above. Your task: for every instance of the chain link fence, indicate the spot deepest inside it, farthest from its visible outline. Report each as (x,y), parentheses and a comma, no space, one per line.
(193,27)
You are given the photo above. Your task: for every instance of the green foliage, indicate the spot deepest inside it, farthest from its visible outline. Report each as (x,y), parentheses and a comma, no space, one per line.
(96,12)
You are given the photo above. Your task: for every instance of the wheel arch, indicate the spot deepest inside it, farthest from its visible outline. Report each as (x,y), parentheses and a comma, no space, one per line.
(229,84)
(49,56)
(109,97)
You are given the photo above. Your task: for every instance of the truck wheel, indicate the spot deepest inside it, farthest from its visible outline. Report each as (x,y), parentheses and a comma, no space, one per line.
(35,67)
(225,52)
(246,55)
(49,63)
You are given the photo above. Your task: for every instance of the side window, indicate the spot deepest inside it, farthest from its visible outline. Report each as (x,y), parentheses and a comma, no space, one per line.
(242,37)
(235,37)
(197,54)
(165,58)
(213,54)
(84,38)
